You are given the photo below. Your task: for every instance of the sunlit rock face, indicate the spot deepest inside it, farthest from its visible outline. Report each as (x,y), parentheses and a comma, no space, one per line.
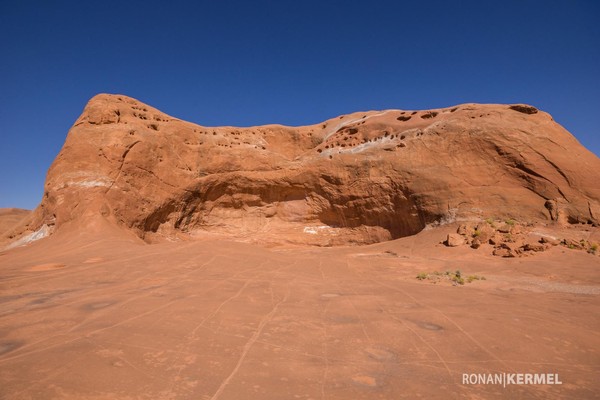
(358,178)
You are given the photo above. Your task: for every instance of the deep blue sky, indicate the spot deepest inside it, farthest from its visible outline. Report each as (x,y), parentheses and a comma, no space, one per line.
(290,62)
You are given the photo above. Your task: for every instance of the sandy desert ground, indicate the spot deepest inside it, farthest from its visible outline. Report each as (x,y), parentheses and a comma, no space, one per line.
(96,313)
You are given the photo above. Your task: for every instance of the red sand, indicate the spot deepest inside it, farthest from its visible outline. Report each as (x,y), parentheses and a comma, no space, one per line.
(104,316)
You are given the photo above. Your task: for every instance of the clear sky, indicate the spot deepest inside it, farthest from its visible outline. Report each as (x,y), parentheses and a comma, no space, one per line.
(291,62)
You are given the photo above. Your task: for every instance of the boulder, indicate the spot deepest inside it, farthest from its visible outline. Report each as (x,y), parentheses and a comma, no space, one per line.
(533,246)
(550,241)
(503,252)
(454,240)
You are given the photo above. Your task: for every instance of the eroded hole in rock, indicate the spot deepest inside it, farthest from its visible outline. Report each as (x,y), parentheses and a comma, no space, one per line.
(524,109)
(430,114)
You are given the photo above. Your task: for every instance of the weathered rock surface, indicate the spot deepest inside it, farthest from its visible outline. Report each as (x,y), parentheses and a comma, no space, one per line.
(511,238)
(359,178)
(9,217)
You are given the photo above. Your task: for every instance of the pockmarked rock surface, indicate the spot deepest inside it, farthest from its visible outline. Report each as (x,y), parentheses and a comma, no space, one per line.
(358,178)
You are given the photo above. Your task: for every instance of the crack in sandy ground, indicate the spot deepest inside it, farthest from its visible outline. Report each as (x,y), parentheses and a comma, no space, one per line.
(224,320)
(248,346)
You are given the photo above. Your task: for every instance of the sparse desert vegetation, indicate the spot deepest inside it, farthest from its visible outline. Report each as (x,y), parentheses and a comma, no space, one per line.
(455,277)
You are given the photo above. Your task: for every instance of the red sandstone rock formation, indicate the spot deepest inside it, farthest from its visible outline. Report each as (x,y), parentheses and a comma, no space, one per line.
(359,178)
(10,217)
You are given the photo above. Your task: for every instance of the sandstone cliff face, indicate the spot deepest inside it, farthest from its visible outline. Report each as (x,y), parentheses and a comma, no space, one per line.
(358,178)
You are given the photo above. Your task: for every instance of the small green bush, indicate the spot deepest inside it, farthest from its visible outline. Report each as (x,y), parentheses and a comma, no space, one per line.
(455,277)
(593,248)
(472,278)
